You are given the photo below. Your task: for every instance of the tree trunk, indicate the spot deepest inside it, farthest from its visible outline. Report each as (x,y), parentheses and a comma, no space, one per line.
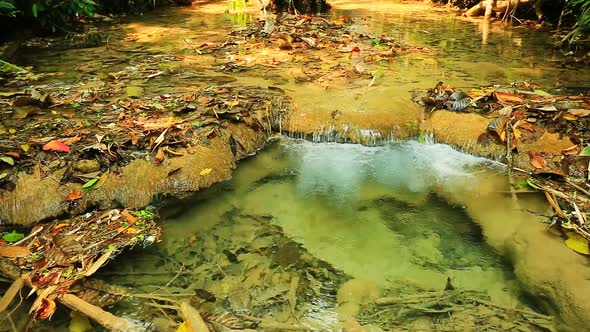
(299,6)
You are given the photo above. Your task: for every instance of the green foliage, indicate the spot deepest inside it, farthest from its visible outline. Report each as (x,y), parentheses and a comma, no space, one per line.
(12,237)
(58,15)
(7,8)
(580,10)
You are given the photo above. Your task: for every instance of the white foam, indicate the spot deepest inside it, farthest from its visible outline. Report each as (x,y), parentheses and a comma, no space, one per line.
(334,168)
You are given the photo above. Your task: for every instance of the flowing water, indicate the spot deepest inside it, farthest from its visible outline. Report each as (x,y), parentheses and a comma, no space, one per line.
(347,222)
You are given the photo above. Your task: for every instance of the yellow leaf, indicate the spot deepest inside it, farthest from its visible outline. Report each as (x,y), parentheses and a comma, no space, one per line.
(517,133)
(12,131)
(570,117)
(132,230)
(577,243)
(25,147)
(232,103)
(184,327)
(205,171)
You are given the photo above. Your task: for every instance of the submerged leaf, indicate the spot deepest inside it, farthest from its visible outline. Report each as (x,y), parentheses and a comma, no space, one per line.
(577,243)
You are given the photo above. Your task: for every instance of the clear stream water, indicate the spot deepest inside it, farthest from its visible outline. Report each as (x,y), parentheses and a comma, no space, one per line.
(374,214)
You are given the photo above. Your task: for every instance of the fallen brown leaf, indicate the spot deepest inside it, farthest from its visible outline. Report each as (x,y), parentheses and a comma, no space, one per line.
(506,98)
(537,160)
(14,251)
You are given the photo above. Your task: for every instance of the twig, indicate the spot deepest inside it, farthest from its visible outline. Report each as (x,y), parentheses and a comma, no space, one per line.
(171,280)
(553,204)
(577,187)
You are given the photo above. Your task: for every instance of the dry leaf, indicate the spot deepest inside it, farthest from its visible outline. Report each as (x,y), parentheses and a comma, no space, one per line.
(537,160)
(72,140)
(56,145)
(132,230)
(13,154)
(577,243)
(571,151)
(505,97)
(204,100)
(98,263)
(129,218)
(14,251)
(74,195)
(45,309)
(159,155)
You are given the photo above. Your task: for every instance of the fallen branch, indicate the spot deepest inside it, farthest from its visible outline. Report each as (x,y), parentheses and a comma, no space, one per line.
(104,318)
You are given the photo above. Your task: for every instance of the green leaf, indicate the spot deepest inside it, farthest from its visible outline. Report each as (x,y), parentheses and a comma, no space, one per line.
(530,183)
(13,237)
(90,183)
(542,93)
(421,138)
(7,160)
(6,5)
(585,152)
(35,9)
(521,184)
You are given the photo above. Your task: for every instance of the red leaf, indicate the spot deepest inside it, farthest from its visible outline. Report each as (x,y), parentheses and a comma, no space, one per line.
(74,195)
(45,310)
(56,145)
(13,154)
(537,160)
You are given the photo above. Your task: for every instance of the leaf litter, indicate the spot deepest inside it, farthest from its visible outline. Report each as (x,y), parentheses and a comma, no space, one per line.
(522,114)
(56,255)
(310,48)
